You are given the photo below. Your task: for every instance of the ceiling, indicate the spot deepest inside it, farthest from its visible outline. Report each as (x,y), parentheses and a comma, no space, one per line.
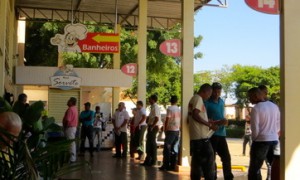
(161,13)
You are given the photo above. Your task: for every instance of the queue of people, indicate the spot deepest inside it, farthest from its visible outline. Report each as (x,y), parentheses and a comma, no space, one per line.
(207,131)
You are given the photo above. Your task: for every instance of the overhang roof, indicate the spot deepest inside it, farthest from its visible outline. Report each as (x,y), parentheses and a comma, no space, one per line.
(161,13)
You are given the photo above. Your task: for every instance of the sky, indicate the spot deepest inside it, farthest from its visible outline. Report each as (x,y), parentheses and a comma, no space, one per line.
(236,35)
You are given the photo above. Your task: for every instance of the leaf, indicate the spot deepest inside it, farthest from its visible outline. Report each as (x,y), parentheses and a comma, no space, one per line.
(34,112)
(4,105)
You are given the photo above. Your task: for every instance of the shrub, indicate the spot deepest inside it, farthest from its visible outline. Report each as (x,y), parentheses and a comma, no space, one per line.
(235,132)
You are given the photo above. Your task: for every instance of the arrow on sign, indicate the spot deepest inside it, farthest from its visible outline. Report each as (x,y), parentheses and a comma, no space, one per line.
(106,38)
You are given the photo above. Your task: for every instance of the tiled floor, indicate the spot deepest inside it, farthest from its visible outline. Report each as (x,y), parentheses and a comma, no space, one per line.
(104,167)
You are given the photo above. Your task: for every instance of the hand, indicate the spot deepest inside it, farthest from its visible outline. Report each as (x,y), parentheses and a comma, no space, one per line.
(213,126)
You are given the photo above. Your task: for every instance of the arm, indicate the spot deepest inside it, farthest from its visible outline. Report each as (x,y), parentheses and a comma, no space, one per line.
(197,117)
(166,123)
(123,124)
(254,124)
(143,119)
(222,122)
(154,123)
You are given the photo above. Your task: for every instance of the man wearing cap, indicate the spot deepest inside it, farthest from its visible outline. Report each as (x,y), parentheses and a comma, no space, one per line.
(215,112)
(87,119)
(70,122)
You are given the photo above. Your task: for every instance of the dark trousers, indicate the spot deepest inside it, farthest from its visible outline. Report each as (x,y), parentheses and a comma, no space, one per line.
(139,139)
(121,140)
(87,131)
(202,160)
(260,151)
(220,147)
(169,144)
(151,146)
(247,139)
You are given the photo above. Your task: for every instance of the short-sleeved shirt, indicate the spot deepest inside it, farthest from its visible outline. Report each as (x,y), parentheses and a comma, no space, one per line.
(154,112)
(247,129)
(138,117)
(86,114)
(71,117)
(120,117)
(215,112)
(197,130)
(173,115)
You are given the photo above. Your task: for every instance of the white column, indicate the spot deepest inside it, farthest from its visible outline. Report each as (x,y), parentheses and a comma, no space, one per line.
(142,51)
(187,68)
(116,65)
(290,88)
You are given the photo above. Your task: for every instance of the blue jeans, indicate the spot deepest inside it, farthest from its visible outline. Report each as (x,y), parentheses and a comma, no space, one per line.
(169,145)
(202,160)
(220,147)
(258,154)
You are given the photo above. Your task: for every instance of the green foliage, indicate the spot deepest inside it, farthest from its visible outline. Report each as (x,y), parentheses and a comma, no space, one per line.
(246,77)
(235,132)
(4,105)
(202,78)
(32,157)
(38,49)
(238,79)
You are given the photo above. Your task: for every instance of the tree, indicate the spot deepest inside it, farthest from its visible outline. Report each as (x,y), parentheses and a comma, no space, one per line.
(246,77)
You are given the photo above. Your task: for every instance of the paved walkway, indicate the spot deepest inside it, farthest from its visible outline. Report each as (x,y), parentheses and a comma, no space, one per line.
(103,166)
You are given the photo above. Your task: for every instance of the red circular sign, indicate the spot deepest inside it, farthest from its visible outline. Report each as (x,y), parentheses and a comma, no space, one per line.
(129,69)
(171,47)
(264,6)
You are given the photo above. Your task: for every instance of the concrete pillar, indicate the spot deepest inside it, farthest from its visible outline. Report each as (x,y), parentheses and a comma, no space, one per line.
(290,88)
(116,65)
(21,51)
(187,68)
(3,15)
(142,51)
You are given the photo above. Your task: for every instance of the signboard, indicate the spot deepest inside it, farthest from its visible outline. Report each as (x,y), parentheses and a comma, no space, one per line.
(264,6)
(100,43)
(129,69)
(65,78)
(77,39)
(171,47)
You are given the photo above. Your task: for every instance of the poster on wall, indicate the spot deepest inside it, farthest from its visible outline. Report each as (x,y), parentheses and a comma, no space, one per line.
(76,38)
(65,78)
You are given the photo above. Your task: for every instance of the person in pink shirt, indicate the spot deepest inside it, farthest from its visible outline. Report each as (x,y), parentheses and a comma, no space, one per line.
(70,122)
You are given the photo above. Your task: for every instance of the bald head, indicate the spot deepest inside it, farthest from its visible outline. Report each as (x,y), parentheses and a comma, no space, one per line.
(11,122)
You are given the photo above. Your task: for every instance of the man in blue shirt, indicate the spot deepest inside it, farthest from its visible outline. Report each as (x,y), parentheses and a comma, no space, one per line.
(215,111)
(87,119)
